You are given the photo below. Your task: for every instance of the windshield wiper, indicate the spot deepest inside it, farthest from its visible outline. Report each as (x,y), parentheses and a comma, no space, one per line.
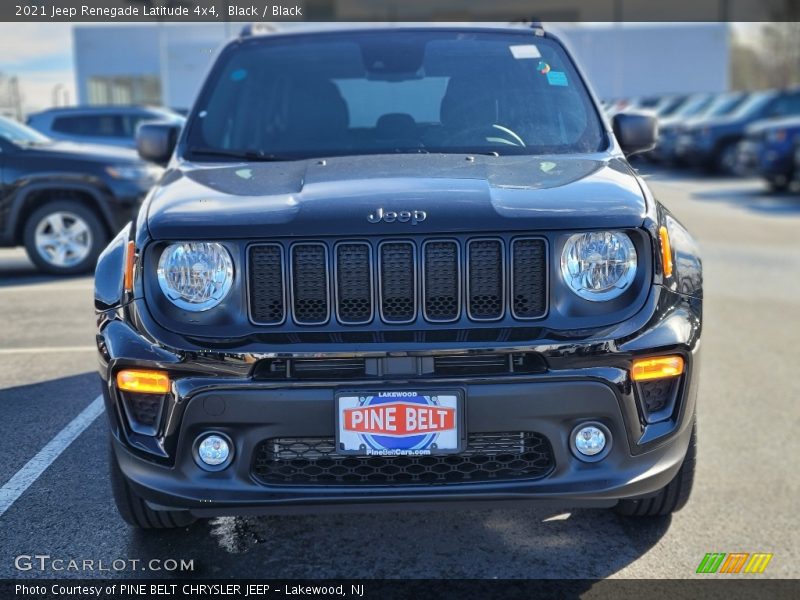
(248,155)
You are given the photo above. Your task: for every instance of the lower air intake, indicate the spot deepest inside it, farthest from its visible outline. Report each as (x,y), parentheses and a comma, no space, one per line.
(488,457)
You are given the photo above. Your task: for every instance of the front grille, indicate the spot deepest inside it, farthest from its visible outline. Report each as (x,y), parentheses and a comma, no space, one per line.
(456,365)
(488,457)
(401,282)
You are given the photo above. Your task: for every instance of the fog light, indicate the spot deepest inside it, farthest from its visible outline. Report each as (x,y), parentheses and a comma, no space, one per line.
(213,451)
(591,441)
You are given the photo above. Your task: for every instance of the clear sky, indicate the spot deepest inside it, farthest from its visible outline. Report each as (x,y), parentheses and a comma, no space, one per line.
(40,55)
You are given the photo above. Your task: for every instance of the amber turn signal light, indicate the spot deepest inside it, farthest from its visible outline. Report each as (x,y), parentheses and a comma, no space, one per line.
(666,251)
(645,369)
(143,382)
(130,256)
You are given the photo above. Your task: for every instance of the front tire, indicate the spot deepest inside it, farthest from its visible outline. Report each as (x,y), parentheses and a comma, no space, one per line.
(134,510)
(64,237)
(672,497)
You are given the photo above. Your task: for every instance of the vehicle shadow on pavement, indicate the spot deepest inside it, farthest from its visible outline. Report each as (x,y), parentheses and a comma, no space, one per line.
(756,200)
(460,544)
(13,276)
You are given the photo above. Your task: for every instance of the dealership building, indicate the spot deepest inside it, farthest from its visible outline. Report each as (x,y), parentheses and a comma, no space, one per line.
(164,64)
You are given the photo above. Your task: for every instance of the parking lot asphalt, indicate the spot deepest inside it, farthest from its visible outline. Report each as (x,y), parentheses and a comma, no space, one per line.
(746,490)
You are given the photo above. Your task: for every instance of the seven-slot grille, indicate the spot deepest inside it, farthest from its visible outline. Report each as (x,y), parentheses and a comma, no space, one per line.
(439,280)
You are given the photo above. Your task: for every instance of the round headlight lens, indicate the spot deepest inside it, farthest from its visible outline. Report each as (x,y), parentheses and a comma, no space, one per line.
(598,265)
(195,276)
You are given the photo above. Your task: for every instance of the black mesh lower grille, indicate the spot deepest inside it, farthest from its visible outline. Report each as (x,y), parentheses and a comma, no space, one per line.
(529,289)
(144,411)
(266,284)
(658,397)
(485,281)
(310,283)
(398,282)
(442,288)
(353,282)
(488,457)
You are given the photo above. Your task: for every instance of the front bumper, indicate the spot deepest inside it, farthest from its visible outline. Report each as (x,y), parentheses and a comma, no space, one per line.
(584,380)
(694,150)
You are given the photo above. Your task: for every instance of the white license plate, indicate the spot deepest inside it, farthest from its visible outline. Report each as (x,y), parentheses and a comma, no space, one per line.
(398,423)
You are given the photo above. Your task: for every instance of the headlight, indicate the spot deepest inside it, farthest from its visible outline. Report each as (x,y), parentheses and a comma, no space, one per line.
(195,276)
(599,265)
(135,172)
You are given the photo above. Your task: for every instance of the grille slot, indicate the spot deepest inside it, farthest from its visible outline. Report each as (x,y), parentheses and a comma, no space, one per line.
(310,284)
(528,278)
(487,457)
(354,282)
(441,281)
(343,368)
(398,282)
(483,364)
(266,281)
(485,280)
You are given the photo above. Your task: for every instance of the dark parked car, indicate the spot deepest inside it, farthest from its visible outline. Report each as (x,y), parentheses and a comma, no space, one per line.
(691,107)
(63,201)
(768,150)
(423,271)
(712,143)
(704,106)
(106,125)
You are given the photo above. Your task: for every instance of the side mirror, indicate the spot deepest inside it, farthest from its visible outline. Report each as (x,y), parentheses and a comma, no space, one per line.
(635,132)
(155,141)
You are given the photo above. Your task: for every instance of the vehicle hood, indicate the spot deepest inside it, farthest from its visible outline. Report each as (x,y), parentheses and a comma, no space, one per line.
(87,152)
(335,196)
(719,123)
(760,127)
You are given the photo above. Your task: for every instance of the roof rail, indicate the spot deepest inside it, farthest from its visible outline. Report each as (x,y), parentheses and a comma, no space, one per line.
(253,29)
(534,24)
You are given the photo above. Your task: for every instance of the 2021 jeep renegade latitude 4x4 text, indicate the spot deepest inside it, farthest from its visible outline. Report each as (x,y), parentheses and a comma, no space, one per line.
(398,266)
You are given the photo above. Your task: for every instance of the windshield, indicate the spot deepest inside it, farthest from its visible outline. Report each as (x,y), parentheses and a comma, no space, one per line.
(16,133)
(669,106)
(694,106)
(753,103)
(396,91)
(725,105)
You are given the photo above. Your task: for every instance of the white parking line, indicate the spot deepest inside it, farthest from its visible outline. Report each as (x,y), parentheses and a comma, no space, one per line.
(47,349)
(23,478)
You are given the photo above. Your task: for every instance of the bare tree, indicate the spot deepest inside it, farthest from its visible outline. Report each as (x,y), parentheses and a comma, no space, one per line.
(780,53)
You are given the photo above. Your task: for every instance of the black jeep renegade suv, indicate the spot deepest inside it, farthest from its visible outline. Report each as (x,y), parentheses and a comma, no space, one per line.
(398,266)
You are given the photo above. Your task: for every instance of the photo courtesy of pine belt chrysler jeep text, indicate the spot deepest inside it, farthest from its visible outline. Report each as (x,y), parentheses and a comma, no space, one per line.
(398,267)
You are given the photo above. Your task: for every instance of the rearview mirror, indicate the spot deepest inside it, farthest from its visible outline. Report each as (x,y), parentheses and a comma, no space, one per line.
(155,141)
(635,132)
